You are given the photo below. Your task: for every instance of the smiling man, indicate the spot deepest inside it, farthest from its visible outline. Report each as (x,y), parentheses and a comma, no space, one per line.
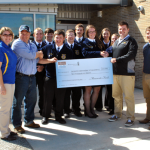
(52,53)
(25,85)
(124,53)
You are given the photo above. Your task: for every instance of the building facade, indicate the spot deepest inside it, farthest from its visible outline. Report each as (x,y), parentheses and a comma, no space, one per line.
(65,14)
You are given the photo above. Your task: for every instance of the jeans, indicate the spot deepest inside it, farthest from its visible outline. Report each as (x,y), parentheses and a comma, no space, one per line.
(25,87)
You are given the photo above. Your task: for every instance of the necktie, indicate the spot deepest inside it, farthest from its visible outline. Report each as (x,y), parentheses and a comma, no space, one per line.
(39,45)
(49,43)
(71,46)
(79,40)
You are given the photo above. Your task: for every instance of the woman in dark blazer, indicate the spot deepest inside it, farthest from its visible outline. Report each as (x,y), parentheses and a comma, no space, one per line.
(91,48)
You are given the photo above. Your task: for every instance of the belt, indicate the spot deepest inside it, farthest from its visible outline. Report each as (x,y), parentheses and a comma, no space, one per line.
(29,75)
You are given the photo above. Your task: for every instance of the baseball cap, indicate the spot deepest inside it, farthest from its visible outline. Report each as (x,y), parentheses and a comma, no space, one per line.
(24,27)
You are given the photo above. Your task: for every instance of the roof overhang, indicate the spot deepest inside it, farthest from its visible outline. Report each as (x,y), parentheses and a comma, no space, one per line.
(107,2)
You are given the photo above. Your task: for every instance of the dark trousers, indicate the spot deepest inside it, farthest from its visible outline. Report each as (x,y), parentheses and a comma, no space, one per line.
(108,97)
(40,83)
(50,92)
(75,93)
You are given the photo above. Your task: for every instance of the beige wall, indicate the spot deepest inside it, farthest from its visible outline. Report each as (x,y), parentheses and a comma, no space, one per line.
(137,23)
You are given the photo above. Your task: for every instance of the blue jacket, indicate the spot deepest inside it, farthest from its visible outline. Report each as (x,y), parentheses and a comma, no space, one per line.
(49,51)
(90,49)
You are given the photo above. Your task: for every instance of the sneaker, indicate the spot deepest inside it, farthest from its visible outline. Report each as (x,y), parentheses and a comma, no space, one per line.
(20,129)
(129,123)
(113,118)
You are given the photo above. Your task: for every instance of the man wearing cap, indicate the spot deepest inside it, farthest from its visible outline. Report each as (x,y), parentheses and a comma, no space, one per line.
(27,58)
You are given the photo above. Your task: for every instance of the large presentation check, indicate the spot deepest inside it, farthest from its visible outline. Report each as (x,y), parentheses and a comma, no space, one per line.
(84,72)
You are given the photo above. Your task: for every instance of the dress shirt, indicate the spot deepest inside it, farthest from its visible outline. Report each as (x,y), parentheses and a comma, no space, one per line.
(60,47)
(38,43)
(77,38)
(71,44)
(107,43)
(48,42)
(26,53)
(120,40)
(91,40)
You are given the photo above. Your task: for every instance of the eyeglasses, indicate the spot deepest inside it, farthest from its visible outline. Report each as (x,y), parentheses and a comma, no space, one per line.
(92,32)
(7,35)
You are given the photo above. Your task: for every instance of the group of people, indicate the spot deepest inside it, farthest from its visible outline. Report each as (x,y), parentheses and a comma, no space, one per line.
(26,64)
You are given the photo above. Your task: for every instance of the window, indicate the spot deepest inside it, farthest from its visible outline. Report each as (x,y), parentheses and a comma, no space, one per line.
(15,20)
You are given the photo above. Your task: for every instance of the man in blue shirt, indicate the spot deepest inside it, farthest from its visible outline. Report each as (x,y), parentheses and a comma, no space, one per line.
(146,77)
(27,58)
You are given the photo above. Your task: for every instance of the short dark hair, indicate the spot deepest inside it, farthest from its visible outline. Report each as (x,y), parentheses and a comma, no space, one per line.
(123,23)
(59,32)
(48,30)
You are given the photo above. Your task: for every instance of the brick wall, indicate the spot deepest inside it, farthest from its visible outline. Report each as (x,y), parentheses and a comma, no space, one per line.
(137,23)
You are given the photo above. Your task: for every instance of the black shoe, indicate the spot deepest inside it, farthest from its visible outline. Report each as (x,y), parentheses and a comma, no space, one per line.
(99,109)
(9,138)
(13,133)
(78,113)
(44,120)
(111,112)
(61,120)
(67,115)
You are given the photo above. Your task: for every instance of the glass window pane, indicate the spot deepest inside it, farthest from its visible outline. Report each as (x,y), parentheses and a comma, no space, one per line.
(45,21)
(15,20)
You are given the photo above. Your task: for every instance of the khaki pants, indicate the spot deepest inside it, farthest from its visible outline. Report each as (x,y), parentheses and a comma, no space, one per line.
(5,106)
(146,92)
(124,84)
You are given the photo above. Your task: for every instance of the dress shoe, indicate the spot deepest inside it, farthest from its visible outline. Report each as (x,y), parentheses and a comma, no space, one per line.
(78,113)
(32,125)
(67,115)
(145,121)
(9,138)
(13,133)
(99,109)
(20,129)
(111,112)
(61,120)
(44,120)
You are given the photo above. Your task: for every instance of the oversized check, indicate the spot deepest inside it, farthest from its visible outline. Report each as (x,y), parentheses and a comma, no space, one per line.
(84,72)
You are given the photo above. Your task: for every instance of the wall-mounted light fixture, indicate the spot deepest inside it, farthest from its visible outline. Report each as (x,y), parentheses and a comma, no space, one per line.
(99,14)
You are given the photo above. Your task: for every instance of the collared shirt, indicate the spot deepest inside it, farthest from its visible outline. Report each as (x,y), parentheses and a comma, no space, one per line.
(77,38)
(48,42)
(38,43)
(107,43)
(91,40)
(60,47)
(120,40)
(26,53)
(71,44)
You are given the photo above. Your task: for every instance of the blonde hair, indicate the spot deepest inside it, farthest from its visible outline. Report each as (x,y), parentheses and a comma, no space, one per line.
(38,29)
(3,29)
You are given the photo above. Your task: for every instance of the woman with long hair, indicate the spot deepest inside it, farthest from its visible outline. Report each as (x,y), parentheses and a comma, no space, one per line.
(91,48)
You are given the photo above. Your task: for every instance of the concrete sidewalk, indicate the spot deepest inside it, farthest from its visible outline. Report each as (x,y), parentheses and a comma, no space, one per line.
(82,133)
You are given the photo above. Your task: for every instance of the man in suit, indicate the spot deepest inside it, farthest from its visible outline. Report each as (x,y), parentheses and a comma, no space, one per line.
(79,30)
(49,34)
(75,92)
(52,53)
(38,37)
